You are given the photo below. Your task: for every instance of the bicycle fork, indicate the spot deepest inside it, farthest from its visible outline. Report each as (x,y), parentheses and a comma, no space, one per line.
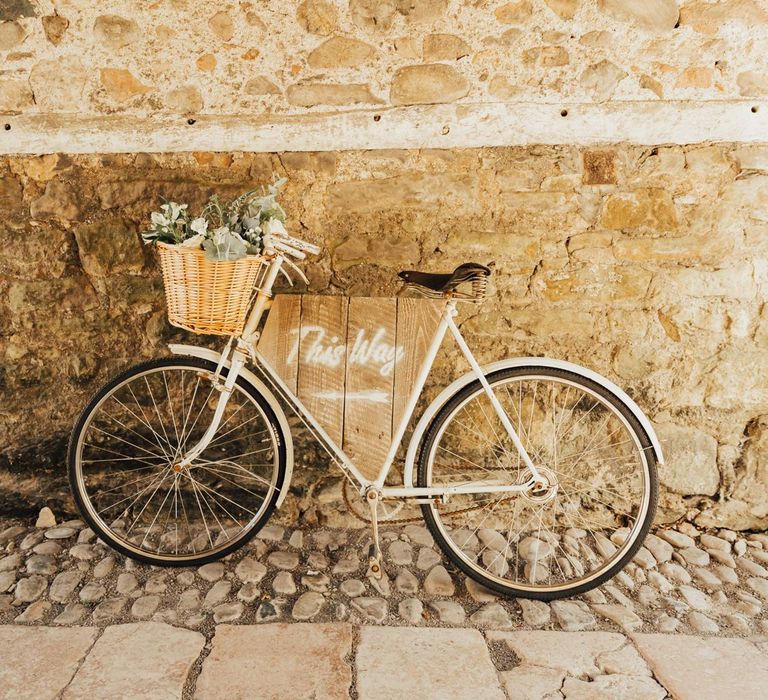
(225,389)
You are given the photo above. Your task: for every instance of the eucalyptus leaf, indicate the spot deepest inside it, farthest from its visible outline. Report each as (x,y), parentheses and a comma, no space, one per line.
(224,245)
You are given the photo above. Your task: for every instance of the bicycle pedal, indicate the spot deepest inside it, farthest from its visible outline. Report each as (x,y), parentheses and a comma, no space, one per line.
(374,568)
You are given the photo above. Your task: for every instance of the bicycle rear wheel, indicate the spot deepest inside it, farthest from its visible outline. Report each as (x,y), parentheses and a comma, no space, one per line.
(562,539)
(124,467)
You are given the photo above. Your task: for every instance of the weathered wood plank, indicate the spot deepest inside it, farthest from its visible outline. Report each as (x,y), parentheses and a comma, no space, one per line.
(417,320)
(279,341)
(322,360)
(371,357)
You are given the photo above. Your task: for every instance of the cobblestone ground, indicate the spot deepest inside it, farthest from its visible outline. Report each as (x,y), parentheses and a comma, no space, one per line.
(682,581)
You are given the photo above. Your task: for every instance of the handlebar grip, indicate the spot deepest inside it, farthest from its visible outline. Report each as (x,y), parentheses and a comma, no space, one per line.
(297,243)
(285,248)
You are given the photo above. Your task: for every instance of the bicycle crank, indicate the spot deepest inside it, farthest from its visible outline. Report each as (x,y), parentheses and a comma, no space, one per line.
(373,497)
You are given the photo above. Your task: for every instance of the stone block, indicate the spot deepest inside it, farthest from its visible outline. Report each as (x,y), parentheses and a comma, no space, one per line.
(261,85)
(399,662)
(603,284)
(115,32)
(698,667)
(691,460)
(431,83)
(514,12)
(601,79)
(599,167)
(709,17)
(54,27)
(298,660)
(15,96)
(575,653)
(155,659)
(184,100)
(317,17)
(59,85)
(44,659)
(108,247)
(752,83)
(121,85)
(444,47)
(222,26)
(652,15)
(11,34)
(375,15)
(11,202)
(565,9)
(645,210)
(341,52)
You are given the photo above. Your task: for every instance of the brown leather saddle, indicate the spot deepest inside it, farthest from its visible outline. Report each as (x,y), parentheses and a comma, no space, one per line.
(437,285)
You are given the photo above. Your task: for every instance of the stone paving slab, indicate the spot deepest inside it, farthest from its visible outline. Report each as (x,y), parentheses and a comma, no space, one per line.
(576,665)
(278,661)
(339,660)
(139,660)
(700,668)
(444,664)
(38,662)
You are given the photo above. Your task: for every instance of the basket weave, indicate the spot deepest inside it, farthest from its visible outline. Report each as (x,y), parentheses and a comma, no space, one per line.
(205,296)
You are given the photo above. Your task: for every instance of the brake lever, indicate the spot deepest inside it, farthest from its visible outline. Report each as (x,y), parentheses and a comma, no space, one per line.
(285,274)
(297,269)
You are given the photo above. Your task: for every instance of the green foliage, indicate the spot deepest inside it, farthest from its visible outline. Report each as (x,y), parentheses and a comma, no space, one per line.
(224,230)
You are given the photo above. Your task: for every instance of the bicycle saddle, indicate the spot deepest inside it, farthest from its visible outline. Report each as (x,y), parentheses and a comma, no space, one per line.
(441,283)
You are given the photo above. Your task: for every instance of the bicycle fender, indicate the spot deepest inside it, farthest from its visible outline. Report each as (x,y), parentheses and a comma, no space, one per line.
(251,378)
(461,382)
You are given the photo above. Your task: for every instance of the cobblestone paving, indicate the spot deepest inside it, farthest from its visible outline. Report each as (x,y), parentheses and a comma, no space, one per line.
(682,581)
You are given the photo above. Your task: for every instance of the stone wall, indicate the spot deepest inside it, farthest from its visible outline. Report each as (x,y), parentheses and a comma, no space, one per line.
(649,265)
(213,57)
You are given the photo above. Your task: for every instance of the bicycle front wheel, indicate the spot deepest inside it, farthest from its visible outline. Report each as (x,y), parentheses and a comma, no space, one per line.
(125,472)
(573,532)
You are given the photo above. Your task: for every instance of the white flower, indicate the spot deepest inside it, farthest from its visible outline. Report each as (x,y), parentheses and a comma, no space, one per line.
(173,210)
(158,219)
(193,242)
(272,226)
(251,224)
(199,225)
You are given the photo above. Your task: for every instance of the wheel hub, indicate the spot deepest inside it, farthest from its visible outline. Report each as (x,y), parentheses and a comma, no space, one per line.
(542,490)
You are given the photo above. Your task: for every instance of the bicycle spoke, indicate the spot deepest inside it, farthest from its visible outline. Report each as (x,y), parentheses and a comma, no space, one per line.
(146,420)
(142,500)
(142,422)
(220,475)
(593,471)
(124,441)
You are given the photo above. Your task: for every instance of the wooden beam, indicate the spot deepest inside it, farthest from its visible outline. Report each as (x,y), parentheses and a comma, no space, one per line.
(426,126)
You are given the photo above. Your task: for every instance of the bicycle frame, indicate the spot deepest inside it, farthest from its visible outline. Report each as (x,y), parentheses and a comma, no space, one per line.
(245,347)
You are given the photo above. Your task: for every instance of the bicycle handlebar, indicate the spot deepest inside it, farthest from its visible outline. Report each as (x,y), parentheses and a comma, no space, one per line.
(295,247)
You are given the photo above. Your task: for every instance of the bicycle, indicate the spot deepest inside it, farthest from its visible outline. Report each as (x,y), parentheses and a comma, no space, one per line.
(536,477)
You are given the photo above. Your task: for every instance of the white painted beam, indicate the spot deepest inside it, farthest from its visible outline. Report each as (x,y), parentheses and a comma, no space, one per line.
(427,126)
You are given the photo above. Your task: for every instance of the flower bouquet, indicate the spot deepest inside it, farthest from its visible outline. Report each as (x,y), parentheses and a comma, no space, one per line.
(212,262)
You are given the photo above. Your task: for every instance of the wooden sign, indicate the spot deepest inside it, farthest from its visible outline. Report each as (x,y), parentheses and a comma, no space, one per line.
(352,362)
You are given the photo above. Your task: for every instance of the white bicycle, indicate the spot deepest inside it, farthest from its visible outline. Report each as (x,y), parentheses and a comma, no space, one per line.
(536,477)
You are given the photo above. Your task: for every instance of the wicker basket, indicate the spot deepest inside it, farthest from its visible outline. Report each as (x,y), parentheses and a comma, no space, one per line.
(204,296)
